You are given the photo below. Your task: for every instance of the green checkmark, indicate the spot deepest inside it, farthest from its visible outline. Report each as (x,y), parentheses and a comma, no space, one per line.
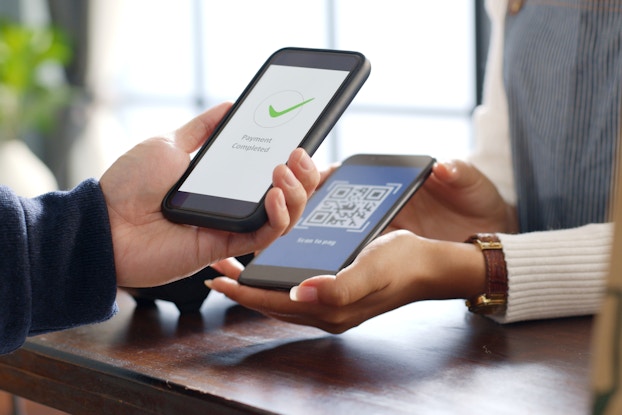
(274,113)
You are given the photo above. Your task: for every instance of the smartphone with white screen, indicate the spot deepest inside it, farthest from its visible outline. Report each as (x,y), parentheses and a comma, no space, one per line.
(353,206)
(294,100)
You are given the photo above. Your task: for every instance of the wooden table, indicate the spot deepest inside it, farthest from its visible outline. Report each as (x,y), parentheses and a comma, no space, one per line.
(429,357)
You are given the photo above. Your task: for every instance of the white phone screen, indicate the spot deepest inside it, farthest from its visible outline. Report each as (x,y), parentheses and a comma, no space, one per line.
(273,119)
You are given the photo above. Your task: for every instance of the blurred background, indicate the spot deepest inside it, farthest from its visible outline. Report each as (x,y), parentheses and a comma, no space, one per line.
(82,81)
(112,73)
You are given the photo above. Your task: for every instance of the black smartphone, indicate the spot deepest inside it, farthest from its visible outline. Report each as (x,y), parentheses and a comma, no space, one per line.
(293,101)
(353,206)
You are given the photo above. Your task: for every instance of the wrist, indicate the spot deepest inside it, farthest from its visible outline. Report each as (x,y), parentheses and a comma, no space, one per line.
(458,270)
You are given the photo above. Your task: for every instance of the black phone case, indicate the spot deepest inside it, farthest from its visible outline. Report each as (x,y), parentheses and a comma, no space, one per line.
(296,275)
(310,143)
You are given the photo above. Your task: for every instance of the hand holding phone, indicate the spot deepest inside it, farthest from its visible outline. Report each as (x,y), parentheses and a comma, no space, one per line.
(293,101)
(353,206)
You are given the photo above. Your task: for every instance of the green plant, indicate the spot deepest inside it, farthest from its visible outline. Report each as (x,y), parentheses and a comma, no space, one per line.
(30,96)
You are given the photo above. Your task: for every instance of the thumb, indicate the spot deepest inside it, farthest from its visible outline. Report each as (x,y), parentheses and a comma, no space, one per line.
(457,174)
(339,290)
(230,267)
(190,136)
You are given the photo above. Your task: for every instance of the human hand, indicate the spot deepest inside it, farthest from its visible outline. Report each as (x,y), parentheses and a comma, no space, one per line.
(150,250)
(395,269)
(456,201)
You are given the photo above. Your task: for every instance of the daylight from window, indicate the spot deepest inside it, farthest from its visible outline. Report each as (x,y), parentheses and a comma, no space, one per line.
(157,63)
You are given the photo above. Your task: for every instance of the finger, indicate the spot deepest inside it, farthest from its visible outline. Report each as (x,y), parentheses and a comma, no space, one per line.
(278,219)
(264,301)
(367,275)
(346,288)
(243,243)
(278,305)
(327,172)
(349,286)
(194,133)
(457,173)
(304,169)
(230,267)
(293,190)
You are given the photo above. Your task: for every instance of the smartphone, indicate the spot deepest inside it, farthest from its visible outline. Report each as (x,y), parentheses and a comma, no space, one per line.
(353,206)
(293,101)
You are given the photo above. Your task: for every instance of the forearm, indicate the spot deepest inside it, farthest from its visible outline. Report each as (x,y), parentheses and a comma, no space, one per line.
(550,274)
(452,270)
(56,266)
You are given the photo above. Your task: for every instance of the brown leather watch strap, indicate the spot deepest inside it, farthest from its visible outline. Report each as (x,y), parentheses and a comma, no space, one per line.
(494,299)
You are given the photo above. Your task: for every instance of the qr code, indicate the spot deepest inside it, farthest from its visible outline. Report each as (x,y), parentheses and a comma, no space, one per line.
(348,206)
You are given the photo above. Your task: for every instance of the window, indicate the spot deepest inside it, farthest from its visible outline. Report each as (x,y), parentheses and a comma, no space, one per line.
(157,63)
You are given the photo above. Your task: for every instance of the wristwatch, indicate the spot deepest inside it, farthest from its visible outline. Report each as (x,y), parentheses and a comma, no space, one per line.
(494,299)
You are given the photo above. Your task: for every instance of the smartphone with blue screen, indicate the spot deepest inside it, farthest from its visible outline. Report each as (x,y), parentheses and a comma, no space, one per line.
(353,206)
(294,100)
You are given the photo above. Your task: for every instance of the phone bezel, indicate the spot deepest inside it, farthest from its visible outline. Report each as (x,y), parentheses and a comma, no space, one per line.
(242,216)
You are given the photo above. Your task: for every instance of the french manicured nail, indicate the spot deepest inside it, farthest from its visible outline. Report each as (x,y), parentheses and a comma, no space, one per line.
(303,294)
(208,284)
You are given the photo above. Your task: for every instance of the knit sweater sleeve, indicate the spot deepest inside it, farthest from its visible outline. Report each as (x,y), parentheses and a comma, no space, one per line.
(56,263)
(557,273)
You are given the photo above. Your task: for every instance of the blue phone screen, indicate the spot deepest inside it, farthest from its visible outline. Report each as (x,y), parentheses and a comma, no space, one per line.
(339,216)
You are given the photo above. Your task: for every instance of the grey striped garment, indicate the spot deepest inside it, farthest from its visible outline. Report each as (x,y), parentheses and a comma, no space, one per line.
(563,77)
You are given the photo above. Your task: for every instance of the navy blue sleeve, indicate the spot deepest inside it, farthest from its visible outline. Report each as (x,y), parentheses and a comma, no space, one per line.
(56,263)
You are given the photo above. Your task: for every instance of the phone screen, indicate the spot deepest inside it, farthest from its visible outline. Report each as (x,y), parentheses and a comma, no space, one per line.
(351,208)
(278,110)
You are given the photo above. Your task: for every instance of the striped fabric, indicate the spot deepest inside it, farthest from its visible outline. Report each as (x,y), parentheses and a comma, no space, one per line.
(563,78)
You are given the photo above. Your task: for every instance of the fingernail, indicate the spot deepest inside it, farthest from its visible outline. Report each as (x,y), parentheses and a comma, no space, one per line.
(306,162)
(450,166)
(290,179)
(303,294)
(208,284)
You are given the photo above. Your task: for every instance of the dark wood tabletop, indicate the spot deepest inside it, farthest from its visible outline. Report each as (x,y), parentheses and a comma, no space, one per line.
(428,357)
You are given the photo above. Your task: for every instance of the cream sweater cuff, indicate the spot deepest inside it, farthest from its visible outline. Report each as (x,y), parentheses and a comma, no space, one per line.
(556,273)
